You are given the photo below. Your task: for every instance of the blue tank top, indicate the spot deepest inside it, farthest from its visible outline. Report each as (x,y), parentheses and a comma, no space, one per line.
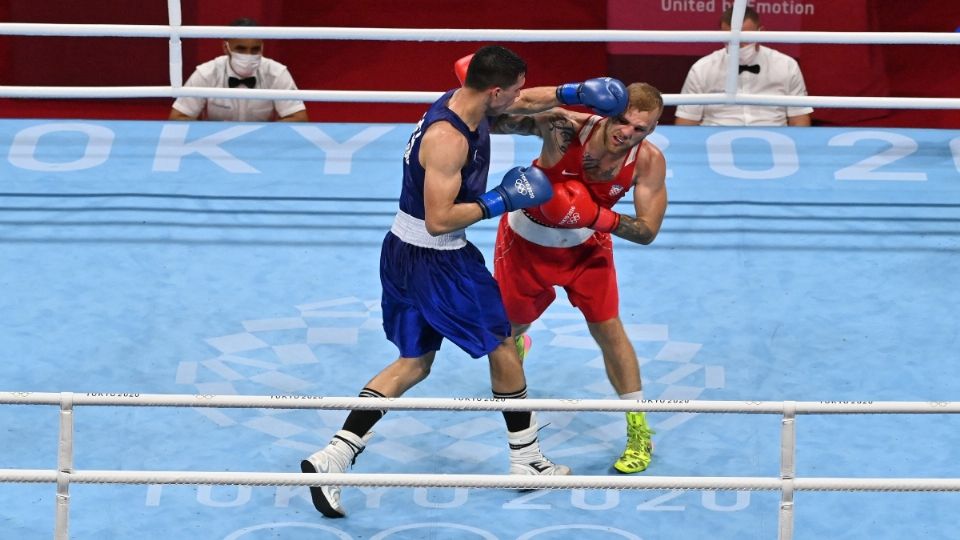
(473,175)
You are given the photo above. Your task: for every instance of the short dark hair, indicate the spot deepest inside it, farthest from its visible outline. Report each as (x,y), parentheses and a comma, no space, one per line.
(243,21)
(494,65)
(750,13)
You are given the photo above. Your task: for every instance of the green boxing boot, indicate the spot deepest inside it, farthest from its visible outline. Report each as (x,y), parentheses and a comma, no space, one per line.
(636,456)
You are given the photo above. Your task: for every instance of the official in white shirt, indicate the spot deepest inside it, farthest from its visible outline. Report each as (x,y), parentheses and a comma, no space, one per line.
(762,71)
(243,66)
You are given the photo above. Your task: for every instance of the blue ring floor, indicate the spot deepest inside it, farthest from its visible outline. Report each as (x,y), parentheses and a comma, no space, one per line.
(794,264)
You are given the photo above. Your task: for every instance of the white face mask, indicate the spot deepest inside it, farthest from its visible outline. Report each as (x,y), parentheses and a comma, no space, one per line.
(748,53)
(244,65)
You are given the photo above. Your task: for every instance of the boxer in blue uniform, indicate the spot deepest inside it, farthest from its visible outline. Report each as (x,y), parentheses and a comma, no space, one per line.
(435,283)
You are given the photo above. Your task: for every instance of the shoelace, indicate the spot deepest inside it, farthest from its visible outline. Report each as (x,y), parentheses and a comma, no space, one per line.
(639,435)
(357,450)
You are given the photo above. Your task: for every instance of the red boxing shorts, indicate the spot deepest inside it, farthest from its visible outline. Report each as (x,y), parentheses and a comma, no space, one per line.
(530,260)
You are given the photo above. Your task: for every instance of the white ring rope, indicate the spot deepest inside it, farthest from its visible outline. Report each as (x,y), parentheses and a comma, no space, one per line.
(463,34)
(382,96)
(477,404)
(724,483)
(368,96)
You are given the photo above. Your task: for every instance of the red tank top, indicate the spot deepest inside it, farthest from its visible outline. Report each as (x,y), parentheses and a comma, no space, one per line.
(570,167)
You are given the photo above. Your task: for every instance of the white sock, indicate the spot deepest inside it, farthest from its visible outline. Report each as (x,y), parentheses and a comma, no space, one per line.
(632,395)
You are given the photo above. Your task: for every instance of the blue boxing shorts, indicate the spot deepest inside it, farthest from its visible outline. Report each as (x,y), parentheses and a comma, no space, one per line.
(431,294)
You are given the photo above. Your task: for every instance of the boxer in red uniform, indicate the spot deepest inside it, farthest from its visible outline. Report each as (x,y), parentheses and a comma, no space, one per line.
(592,162)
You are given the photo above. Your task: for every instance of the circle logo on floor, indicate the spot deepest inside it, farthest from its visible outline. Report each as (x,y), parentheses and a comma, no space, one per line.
(332,347)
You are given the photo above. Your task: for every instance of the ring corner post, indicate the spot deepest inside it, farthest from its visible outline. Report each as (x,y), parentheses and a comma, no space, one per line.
(64,467)
(788,446)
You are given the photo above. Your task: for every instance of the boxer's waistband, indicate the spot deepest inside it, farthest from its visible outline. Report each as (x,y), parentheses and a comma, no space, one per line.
(546,236)
(414,231)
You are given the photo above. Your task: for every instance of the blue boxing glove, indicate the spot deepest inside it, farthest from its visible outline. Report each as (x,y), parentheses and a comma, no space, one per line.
(606,96)
(521,187)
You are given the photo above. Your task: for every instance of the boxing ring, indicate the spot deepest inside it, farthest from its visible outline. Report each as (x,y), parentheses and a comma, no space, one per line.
(186,300)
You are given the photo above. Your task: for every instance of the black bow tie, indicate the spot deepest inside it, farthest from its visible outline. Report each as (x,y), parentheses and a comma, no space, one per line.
(249,82)
(753,68)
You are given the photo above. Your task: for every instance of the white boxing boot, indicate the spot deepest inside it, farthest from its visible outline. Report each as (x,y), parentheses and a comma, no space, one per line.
(525,454)
(336,457)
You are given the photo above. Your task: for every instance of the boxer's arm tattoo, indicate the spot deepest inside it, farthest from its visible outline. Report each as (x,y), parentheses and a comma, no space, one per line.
(514,124)
(562,132)
(634,230)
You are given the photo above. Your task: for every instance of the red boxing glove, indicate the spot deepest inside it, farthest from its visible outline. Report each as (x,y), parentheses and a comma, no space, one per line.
(573,207)
(460,67)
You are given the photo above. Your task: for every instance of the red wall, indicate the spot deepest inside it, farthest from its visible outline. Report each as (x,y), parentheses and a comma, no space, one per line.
(315,64)
(426,66)
(922,70)
(847,70)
